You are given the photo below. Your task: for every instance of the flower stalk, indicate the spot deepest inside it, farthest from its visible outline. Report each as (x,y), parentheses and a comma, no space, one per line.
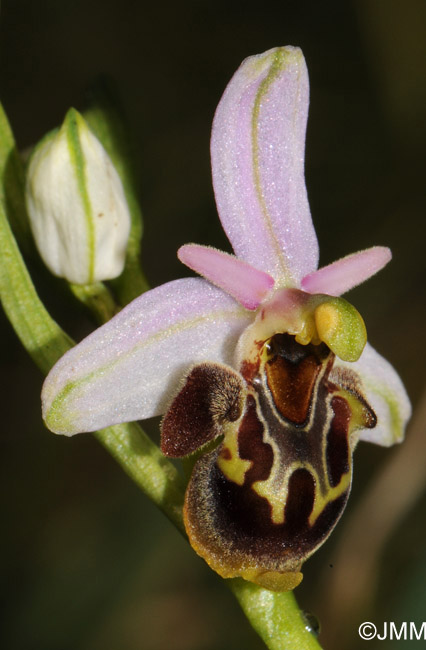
(276,617)
(98,299)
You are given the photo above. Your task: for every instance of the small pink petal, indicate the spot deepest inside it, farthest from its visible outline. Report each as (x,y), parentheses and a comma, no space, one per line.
(257,151)
(129,368)
(241,280)
(347,273)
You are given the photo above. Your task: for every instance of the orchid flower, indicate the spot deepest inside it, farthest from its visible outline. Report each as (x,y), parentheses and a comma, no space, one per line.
(260,364)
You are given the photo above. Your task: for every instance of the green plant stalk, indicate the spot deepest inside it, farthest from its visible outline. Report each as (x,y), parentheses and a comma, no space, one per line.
(142,460)
(98,300)
(275,616)
(12,185)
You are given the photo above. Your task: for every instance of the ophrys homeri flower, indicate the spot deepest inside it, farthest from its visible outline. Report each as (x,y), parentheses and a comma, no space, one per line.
(261,365)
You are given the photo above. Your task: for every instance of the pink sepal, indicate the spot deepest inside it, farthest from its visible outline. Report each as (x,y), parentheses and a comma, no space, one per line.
(257,150)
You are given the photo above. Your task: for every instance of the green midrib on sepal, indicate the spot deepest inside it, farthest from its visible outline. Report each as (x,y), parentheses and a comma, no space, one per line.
(71,125)
(277,65)
(395,418)
(396,422)
(61,413)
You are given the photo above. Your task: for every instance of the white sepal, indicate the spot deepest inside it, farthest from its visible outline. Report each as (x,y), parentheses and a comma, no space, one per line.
(384,392)
(131,367)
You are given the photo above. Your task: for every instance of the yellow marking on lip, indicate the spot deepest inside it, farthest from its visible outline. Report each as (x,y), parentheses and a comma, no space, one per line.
(331,494)
(277,499)
(230,464)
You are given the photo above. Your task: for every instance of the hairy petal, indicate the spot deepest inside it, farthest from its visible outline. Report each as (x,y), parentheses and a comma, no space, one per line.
(384,391)
(347,273)
(241,280)
(129,368)
(257,150)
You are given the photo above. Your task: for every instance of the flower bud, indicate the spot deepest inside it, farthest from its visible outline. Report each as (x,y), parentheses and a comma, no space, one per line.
(76,205)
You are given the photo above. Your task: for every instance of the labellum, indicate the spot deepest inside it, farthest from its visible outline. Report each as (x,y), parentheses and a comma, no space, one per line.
(273,488)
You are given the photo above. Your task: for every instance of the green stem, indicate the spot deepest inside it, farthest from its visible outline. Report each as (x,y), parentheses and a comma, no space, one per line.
(276,617)
(97,298)
(142,460)
(42,337)
(12,183)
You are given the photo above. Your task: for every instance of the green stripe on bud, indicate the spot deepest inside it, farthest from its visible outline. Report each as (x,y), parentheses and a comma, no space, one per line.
(76,204)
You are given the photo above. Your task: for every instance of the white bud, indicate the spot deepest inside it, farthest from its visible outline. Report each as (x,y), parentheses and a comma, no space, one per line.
(76,205)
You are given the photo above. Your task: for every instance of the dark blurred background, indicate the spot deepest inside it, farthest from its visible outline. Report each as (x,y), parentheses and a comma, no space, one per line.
(86,561)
